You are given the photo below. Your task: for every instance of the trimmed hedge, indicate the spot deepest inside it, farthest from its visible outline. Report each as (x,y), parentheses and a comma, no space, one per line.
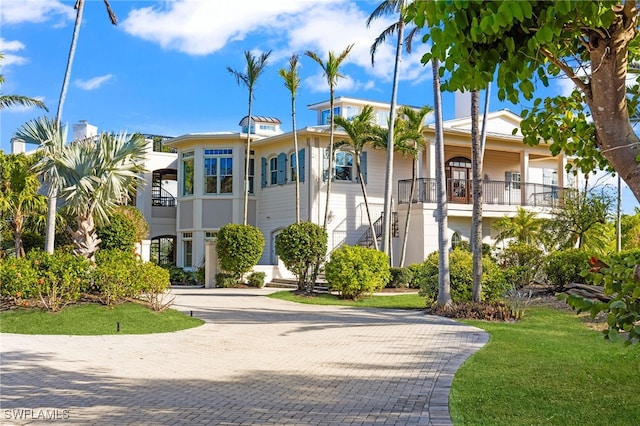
(355,271)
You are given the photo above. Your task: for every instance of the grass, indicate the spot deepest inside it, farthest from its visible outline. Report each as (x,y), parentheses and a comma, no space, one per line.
(400,301)
(548,368)
(94,319)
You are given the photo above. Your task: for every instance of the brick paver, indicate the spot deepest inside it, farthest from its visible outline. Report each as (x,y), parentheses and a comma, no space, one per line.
(256,361)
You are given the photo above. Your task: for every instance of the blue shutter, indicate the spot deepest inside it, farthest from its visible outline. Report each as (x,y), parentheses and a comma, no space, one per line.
(282,168)
(325,164)
(263,174)
(301,165)
(363,166)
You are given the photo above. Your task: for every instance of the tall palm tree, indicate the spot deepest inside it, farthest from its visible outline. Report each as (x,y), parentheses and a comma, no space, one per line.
(53,188)
(384,8)
(444,277)
(331,70)
(19,197)
(292,82)
(476,221)
(255,67)
(360,130)
(97,176)
(411,126)
(7,101)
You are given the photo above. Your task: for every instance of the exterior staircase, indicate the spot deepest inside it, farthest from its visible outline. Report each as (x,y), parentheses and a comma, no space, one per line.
(366,240)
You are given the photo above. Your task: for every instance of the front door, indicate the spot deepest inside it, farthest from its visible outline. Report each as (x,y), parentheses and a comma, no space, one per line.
(459,185)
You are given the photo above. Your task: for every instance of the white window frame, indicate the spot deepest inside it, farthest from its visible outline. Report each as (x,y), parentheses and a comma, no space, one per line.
(220,155)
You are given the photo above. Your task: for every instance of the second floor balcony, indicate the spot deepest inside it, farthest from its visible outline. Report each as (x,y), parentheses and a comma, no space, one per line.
(460,191)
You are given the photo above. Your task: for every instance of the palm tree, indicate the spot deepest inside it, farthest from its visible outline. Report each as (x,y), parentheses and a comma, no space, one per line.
(19,197)
(7,101)
(292,82)
(411,126)
(255,67)
(476,221)
(361,131)
(444,281)
(524,227)
(384,8)
(98,175)
(331,70)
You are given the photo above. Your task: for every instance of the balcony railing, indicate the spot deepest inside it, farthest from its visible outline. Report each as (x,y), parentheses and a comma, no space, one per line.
(460,191)
(160,197)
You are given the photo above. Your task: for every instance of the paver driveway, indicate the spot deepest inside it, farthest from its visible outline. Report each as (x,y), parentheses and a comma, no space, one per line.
(256,361)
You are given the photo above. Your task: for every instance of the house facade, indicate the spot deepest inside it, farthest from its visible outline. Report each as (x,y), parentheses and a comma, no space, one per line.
(198,187)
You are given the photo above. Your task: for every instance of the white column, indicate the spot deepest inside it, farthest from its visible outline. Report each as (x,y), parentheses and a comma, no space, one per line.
(562,171)
(524,175)
(431,160)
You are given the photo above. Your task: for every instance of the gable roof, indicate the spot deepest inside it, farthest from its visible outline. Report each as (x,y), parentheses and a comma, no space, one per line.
(498,122)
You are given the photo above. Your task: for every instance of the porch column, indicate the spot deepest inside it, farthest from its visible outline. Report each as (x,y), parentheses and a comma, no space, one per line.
(431,159)
(562,170)
(524,176)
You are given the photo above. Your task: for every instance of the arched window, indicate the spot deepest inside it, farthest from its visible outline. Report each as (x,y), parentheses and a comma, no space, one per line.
(162,250)
(456,239)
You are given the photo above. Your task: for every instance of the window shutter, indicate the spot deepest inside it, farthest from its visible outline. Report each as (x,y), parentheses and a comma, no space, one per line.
(325,165)
(363,166)
(282,168)
(301,165)
(264,172)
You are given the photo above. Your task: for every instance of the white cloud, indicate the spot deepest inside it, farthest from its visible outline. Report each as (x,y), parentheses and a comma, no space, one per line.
(35,11)
(93,83)
(11,46)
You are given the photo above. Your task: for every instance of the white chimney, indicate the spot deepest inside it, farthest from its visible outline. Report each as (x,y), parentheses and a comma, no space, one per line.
(18,146)
(83,130)
(462,103)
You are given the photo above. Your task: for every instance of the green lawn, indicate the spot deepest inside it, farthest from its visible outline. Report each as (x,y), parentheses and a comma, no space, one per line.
(547,369)
(399,301)
(94,319)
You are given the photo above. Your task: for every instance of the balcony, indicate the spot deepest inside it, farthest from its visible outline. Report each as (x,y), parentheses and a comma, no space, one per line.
(459,191)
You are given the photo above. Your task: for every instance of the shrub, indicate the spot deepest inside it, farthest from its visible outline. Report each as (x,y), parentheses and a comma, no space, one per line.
(256,279)
(62,277)
(119,233)
(355,270)
(461,277)
(239,248)
(154,284)
(565,266)
(180,276)
(116,276)
(224,280)
(18,279)
(301,247)
(521,263)
(400,277)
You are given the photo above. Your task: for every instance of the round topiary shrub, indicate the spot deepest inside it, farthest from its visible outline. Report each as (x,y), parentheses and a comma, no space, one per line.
(239,248)
(400,277)
(355,270)
(565,266)
(301,246)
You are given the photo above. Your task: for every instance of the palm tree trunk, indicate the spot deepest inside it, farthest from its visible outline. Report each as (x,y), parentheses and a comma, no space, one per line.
(297,157)
(405,238)
(476,224)
(329,177)
(246,166)
(444,282)
(16,224)
(388,187)
(366,203)
(85,238)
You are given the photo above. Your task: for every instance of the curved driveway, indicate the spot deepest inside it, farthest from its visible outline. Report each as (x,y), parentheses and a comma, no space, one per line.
(256,361)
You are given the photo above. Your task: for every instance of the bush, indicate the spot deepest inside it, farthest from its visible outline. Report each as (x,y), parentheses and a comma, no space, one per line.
(301,246)
(116,276)
(119,233)
(400,277)
(256,279)
(355,270)
(565,266)
(154,284)
(224,280)
(521,264)
(18,279)
(239,248)
(181,277)
(62,277)
(461,277)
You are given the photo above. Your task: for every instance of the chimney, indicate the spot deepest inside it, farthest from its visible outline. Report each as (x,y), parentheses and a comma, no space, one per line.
(18,146)
(462,104)
(83,130)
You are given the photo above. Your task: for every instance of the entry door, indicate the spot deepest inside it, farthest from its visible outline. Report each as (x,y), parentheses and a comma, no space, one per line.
(459,185)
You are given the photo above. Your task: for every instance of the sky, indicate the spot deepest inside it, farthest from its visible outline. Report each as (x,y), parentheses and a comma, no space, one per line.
(163,69)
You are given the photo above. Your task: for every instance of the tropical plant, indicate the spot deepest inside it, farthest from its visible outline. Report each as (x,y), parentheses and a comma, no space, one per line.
(360,130)
(524,227)
(525,42)
(98,175)
(566,266)
(239,248)
(356,270)
(521,264)
(249,78)
(119,233)
(630,229)
(20,201)
(8,101)
(292,82)
(301,246)
(331,70)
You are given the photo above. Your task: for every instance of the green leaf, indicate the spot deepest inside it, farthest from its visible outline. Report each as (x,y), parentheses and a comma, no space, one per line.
(618,304)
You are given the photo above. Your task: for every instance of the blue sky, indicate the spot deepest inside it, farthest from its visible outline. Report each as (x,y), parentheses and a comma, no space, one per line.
(163,68)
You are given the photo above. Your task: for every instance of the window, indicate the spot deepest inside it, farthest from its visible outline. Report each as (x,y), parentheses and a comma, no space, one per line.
(516,179)
(210,235)
(187,173)
(162,251)
(293,162)
(252,169)
(269,127)
(383,118)
(218,171)
(456,239)
(550,177)
(273,171)
(352,112)
(344,166)
(326,116)
(187,249)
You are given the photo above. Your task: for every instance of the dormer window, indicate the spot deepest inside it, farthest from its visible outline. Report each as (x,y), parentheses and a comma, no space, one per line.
(326,116)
